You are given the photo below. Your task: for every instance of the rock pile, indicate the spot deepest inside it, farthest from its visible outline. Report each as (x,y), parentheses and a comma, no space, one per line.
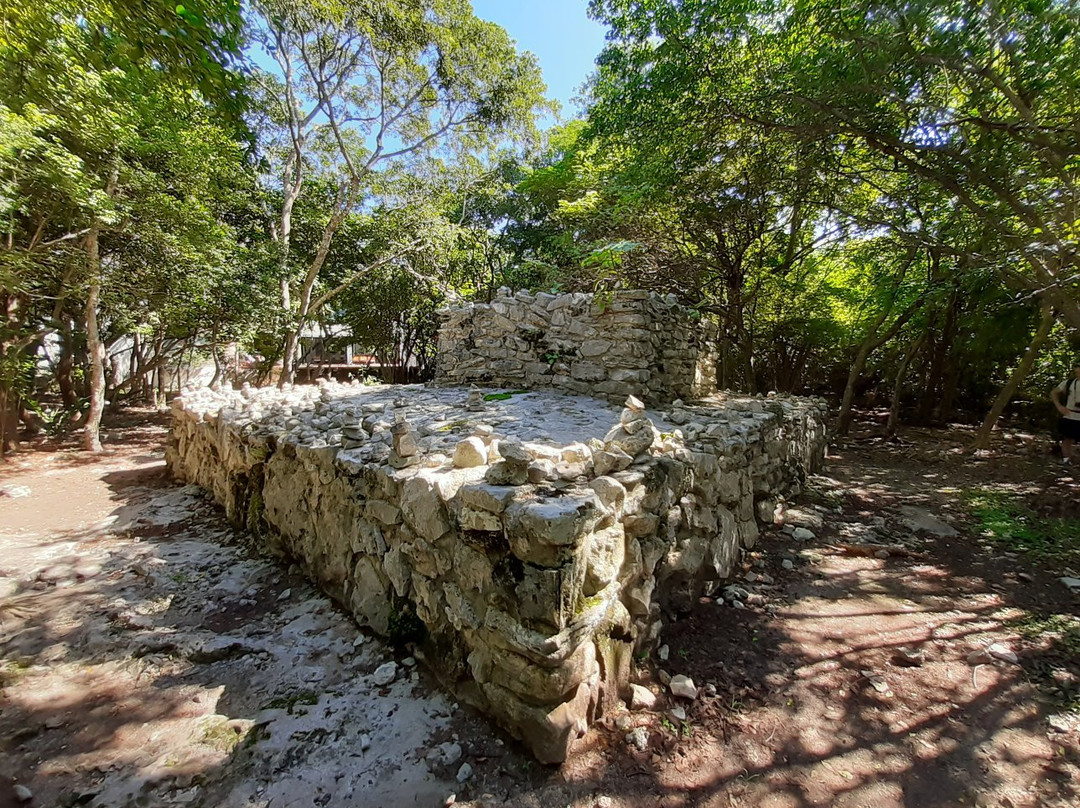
(528,558)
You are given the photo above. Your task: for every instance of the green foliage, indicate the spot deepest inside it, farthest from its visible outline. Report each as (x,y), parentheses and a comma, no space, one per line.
(121,120)
(968,105)
(1007,522)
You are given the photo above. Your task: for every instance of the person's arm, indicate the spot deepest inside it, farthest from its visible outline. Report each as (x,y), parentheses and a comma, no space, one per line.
(1055,396)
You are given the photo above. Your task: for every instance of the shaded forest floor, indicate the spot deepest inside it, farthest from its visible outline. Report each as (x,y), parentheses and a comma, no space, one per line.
(919,649)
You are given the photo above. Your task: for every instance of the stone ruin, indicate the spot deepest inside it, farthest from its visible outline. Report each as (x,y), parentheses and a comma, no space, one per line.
(530,543)
(631,344)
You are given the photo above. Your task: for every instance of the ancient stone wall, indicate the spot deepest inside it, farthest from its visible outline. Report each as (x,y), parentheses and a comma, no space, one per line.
(628,343)
(530,545)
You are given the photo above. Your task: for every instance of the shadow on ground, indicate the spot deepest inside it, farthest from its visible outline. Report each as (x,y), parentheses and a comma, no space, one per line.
(150,658)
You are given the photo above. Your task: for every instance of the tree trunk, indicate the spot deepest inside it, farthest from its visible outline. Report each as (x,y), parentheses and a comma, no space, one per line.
(898,385)
(982,437)
(94,346)
(10,352)
(305,309)
(868,346)
(66,366)
(843,421)
(947,401)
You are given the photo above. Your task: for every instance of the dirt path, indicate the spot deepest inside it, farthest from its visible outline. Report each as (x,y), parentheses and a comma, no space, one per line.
(924,677)
(150,658)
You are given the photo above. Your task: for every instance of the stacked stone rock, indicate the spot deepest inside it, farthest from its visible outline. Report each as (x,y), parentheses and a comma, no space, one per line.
(627,343)
(538,556)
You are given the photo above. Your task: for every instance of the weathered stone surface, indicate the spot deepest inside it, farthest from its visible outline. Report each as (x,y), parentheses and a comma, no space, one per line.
(384,674)
(611,460)
(635,344)
(473,519)
(604,557)
(422,507)
(545,530)
(683,687)
(611,493)
(483,496)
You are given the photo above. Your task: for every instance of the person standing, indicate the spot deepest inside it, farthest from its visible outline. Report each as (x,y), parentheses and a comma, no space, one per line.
(1066,397)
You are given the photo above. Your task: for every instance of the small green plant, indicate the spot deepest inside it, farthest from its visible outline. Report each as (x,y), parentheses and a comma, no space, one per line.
(683,653)
(665,722)
(404,626)
(255,511)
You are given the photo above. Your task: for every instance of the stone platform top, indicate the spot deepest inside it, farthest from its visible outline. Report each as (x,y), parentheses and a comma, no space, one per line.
(315,417)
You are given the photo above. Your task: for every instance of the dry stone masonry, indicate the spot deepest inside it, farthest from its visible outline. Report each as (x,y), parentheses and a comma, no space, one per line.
(530,545)
(627,343)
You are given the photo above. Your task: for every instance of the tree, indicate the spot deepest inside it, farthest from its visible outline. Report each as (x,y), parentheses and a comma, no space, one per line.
(96,114)
(978,101)
(362,87)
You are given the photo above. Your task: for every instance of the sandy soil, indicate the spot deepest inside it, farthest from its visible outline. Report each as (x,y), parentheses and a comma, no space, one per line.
(149,657)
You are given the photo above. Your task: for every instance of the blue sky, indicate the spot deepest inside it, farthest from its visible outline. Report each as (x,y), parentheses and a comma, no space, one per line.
(561,35)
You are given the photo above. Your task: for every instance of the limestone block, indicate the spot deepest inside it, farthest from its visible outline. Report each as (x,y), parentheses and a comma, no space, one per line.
(611,493)
(595,347)
(370,596)
(587,371)
(422,507)
(449,481)
(459,611)
(487,497)
(382,512)
(546,597)
(546,530)
(542,471)
(639,525)
(631,444)
(541,686)
(548,733)
(428,599)
(368,538)
(604,556)
(396,566)
(615,459)
(473,519)
(513,469)
(469,453)
(572,471)
(472,568)
(576,453)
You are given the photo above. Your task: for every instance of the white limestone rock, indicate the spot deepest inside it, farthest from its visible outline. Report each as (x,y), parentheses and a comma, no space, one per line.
(470,453)
(683,687)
